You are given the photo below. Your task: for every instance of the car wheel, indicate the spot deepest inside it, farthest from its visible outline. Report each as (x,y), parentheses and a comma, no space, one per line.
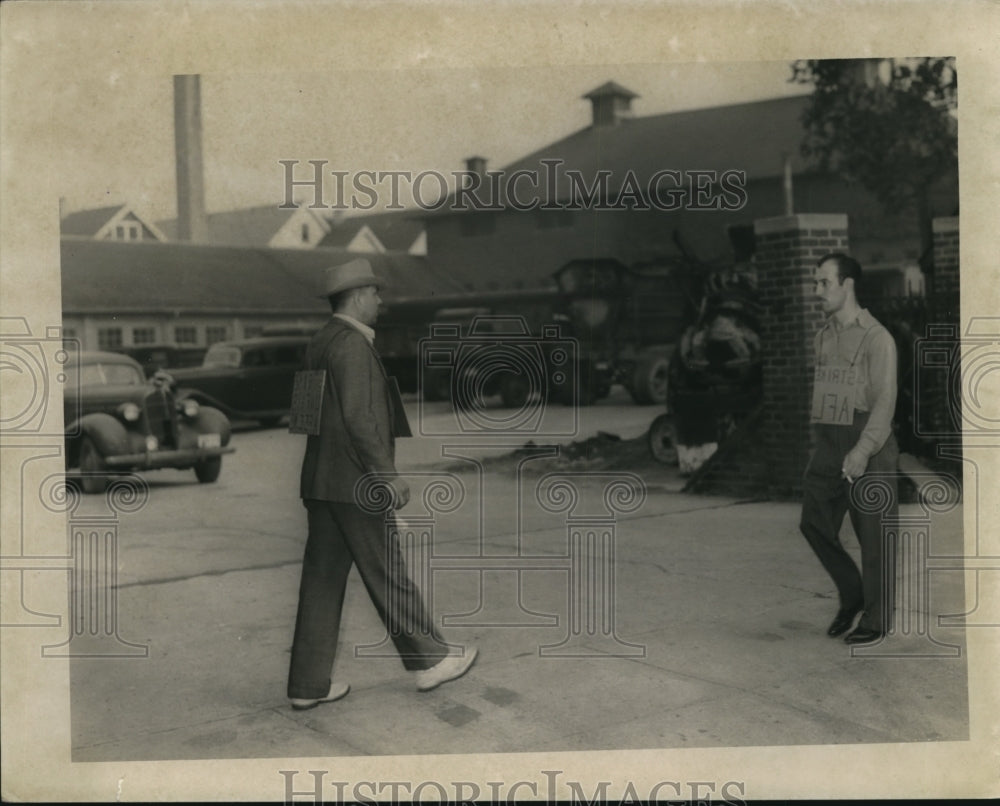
(661,439)
(208,470)
(92,468)
(649,383)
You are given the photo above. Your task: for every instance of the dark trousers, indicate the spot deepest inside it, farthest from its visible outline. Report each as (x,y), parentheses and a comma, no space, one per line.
(341,535)
(827,499)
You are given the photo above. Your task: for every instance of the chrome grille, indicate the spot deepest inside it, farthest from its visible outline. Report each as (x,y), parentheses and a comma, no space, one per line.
(161,417)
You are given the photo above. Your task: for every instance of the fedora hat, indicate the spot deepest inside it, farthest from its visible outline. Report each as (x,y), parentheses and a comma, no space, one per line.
(353,274)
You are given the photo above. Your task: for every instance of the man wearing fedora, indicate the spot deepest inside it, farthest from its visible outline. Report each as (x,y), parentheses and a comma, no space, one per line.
(356,439)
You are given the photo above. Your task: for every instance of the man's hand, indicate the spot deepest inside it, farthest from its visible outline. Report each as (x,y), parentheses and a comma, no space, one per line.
(401,493)
(855,464)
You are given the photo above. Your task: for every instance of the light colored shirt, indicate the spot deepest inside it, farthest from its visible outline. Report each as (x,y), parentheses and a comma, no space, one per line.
(867,346)
(366,331)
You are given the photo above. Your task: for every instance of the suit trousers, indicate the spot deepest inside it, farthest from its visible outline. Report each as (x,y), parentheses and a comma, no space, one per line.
(342,535)
(827,498)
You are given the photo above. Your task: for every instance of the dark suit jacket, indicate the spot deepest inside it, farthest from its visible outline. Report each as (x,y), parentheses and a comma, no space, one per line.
(356,420)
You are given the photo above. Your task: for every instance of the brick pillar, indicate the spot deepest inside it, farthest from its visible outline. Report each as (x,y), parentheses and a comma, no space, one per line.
(786,255)
(944,283)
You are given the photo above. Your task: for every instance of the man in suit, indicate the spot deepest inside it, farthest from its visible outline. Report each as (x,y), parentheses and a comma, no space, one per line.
(854,398)
(356,439)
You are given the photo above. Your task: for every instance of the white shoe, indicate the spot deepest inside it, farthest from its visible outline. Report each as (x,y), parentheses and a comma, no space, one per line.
(337,691)
(450,668)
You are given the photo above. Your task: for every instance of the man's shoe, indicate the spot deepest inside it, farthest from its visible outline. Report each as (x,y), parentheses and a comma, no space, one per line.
(337,691)
(843,621)
(865,635)
(451,668)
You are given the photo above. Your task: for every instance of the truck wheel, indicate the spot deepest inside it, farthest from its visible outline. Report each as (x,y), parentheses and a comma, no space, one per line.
(208,470)
(92,468)
(661,440)
(514,390)
(649,381)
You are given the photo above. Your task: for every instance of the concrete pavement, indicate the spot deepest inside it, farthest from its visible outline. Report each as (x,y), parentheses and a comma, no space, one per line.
(720,612)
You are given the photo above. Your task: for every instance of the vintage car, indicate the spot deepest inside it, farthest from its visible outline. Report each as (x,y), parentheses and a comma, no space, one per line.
(249,379)
(117,420)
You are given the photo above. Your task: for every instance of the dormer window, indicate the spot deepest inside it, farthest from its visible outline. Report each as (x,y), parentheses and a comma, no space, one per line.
(126,231)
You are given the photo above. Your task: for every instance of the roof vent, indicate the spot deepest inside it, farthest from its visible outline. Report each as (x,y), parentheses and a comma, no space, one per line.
(611,102)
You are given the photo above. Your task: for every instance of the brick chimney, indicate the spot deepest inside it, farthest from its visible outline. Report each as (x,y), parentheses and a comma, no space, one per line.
(192,224)
(611,102)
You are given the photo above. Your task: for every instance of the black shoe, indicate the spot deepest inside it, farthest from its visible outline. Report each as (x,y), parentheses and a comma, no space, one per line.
(865,635)
(843,621)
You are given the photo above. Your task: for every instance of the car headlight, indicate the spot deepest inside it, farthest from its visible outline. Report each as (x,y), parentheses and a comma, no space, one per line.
(130,412)
(190,408)
(152,443)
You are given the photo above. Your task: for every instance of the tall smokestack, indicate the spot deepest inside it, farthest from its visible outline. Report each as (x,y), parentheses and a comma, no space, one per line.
(191,222)
(476,165)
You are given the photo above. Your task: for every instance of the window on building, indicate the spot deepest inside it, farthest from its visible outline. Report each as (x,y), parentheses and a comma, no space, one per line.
(186,334)
(478,223)
(305,233)
(143,335)
(69,337)
(553,219)
(214,333)
(252,331)
(108,338)
(126,231)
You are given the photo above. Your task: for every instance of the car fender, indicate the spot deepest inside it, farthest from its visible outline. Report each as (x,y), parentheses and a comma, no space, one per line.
(204,400)
(107,433)
(212,421)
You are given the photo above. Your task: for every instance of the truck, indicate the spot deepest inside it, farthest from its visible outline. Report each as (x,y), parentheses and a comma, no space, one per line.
(621,324)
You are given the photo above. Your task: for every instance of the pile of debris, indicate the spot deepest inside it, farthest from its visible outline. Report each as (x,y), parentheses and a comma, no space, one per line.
(602,451)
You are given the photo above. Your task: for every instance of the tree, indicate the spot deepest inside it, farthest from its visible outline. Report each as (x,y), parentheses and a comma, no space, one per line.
(887,124)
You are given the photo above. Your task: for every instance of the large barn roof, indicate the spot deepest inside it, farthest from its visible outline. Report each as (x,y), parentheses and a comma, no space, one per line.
(113,277)
(754,137)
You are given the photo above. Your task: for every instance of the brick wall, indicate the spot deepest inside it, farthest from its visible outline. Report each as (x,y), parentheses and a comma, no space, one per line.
(787,251)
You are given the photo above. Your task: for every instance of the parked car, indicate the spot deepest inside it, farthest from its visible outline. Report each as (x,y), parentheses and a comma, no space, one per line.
(249,379)
(118,421)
